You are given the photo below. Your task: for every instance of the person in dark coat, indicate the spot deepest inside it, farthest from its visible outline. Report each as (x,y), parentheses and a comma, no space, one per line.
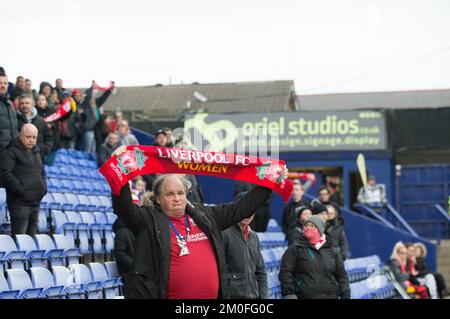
(296,233)
(123,250)
(325,199)
(289,218)
(423,270)
(27,113)
(23,175)
(336,231)
(313,269)
(246,271)
(178,249)
(8,117)
(105,151)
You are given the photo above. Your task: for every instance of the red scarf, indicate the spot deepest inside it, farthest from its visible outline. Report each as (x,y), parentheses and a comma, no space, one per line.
(66,106)
(141,160)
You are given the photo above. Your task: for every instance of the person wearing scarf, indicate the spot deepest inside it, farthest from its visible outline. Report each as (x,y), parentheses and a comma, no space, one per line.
(312,268)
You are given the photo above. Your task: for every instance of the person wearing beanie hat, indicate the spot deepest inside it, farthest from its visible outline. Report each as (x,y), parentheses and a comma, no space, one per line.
(302,213)
(317,208)
(312,268)
(160,138)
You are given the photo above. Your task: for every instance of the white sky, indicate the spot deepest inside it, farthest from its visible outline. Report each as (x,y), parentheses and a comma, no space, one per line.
(325,46)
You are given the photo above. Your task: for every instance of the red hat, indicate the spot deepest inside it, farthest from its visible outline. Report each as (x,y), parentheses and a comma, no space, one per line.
(75,91)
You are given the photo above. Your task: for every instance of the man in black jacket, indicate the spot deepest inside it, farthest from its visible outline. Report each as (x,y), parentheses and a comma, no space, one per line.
(289,217)
(8,119)
(105,151)
(123,251)
(246,271)
(178,249)
(27,113)
(22,173)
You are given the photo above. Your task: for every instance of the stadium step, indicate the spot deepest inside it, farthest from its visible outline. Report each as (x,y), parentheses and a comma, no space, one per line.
(443,259)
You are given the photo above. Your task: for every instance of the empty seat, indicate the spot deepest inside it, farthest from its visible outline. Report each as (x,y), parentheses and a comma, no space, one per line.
(43,223)
(111,269)
(106,201)
(59,202)
(43,278)
(63,277)
(55,257)
(68,185)
(98,205)
(74,201)
(96,232)
(85,203)
(109,285)
(18,279)
(57,185)
(47,200)
(10,256)
(108,236)
(82,276)
(36,257)
(62,225)
(71,253)
(82,231)
(111,217)
(5,291)
(80,187)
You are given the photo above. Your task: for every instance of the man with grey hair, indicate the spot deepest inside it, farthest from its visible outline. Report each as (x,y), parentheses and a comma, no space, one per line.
(27,113)
(23,175)
(179,251)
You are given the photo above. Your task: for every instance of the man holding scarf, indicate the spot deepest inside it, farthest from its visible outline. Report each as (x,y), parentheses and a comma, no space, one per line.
(178,250)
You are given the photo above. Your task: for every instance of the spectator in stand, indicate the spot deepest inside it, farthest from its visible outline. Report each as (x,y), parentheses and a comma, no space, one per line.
(8,117)
(178,250)
(336,231)
(427,280)
(398,265)
(333,190)
(118,117)
(92,109)
(160,138)
(296,233)
(170,141)
(324,198)
(372,193)
(422,268)
(27,113)
(317,208)
(80,119)
(312,268)
(111,144)
(289,218)
(247,275)
(138,188)
(68,126)
(46,89)
(102,129)
(23,176)
(19,87)
(42,106)
(28,89)
(59,88)
(126,138)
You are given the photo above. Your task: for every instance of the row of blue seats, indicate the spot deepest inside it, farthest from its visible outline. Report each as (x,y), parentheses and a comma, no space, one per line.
(273,226)
(76,154)
(272,239)
(79,202)
(92,232)
(72,172)
(98,281)
(360,268)
(274,285)
(374,287)
(63,160)
(41,251)
(88,187)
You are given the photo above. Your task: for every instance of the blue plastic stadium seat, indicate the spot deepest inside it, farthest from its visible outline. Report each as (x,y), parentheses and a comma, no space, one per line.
(18,279)
(82,231)
(63,277)
(58,185)
(47,200)
(43,224)
(85,202)
(82,276)
(60,202)
(99,207)
(108,236)
(71,253)
(68,184)
(5,291)
(10,256)
(43,278)
(55,257)
(73,200)
(273,226)
(63,226)
(106,202)
(269,259)
(111,217)
(36,257)
(109,286)
(96,232)
(80,186)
